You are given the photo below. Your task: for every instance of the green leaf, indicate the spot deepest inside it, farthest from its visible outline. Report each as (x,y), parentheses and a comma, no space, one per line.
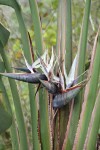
(78,100)
(44,116)
(68,34)
(37,25)
(94,125)
(44,120)
(2,68)
(26,49)
(13,131)
(4,35)
(5,120)
(16,99)
(11,3)
(84,123)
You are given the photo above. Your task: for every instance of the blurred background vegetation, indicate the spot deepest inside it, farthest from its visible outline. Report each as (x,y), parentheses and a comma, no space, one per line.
(48,16)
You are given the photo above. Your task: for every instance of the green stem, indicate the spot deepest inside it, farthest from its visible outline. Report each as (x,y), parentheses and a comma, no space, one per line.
(34,120)
(68,35)
(37,25)
(58,29)
(44,120)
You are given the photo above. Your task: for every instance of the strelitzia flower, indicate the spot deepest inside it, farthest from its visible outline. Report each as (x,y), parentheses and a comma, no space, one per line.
(48,70)
(26,77)
(31,75)
(63,90)
(66,96)
(72,87)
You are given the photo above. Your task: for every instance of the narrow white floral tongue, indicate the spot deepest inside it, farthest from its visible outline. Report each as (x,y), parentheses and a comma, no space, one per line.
(69,78)
(43,67)
(61,78)
(28,65)
(73,69)
(37,63)
(47,66)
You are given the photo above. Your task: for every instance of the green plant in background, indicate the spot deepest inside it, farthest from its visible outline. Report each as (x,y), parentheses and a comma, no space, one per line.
(55,123)
(6,119)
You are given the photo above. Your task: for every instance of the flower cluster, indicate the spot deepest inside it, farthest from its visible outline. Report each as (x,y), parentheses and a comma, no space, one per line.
(63,87)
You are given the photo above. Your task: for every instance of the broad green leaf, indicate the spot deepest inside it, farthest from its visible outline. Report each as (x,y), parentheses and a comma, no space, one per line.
(11,3)
(5,120)
(4,35)
(13,131)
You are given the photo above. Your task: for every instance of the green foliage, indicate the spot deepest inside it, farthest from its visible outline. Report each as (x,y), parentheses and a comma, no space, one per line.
(92,93)
(58,24)
(5,120)
(4,35)
(16,99)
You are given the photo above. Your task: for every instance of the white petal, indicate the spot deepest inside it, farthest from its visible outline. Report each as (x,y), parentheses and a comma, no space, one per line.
(50,65)
(65,74)
(37,63)
(55,79)
(73,69)
(43,67)
(27,65)
(61,80)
